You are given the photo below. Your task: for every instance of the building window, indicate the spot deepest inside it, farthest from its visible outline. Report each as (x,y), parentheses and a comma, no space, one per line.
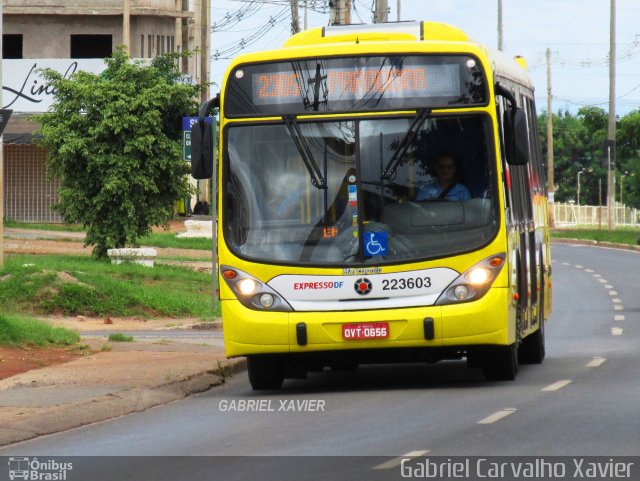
(158,45)
(173,43)
(141,45)
(91,46)
(150,46)
(11,46)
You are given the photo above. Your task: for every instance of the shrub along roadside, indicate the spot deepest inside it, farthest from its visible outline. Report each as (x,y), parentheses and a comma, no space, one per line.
(74,285)
(20,331)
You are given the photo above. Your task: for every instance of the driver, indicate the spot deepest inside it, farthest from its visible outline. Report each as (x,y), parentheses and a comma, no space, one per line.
(445,185)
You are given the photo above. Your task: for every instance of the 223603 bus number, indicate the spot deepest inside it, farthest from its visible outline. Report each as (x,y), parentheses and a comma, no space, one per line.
(402,283)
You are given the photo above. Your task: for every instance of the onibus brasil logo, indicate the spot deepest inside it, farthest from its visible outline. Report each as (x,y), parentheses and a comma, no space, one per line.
(33,469)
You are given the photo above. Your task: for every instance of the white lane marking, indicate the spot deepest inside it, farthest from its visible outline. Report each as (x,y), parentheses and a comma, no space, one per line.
(596,362)
(589,270)
(578,266)
(617,300)
(395,462)
(613,293)
(618,318)
(608,286)
(616,331)
(557,385)
(566,264)
(618,307)
(597,276)
(604,281)
(497,416)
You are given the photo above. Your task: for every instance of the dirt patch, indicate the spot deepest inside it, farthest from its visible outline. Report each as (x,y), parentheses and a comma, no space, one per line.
(89,323)
(15,360)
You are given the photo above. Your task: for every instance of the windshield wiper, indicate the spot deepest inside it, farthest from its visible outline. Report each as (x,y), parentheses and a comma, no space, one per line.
(401,150)
(317,179)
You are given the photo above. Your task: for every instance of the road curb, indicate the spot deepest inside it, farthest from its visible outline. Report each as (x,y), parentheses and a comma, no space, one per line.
(89,411)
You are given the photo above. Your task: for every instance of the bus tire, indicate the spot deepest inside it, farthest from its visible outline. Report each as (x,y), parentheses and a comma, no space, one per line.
(265,372)
(501,364)
(532,350)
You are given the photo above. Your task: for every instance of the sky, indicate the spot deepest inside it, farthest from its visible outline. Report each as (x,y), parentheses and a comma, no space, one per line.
(576,31)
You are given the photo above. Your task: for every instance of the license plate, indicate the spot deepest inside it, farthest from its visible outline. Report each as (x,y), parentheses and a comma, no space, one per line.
(368,330)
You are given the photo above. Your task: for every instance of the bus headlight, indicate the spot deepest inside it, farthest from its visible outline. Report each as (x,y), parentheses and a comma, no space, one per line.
(478,276)
(253,293)
(461,292)
(266,300)
(246,287)
(474,283)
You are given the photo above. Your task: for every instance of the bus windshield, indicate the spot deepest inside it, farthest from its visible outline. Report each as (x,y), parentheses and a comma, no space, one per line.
(359,192)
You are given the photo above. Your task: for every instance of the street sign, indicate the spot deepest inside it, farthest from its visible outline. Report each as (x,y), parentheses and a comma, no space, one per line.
(188,122)
(4,118)
(186,145)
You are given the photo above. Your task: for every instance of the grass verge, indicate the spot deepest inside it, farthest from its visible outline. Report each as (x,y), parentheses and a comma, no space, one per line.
(155,239)
(55,227)
(75,285)
(620,235)
(18,330)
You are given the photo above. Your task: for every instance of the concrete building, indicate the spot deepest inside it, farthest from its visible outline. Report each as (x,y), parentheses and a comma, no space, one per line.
(70,35)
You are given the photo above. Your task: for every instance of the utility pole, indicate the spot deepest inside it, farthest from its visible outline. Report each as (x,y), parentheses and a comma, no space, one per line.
(1,157)
(550,185)
(381,12)
(205,28)
(126,26)
(399,5)
(611,135)
(340,13)
(295,17)
(306,15)
(500,25)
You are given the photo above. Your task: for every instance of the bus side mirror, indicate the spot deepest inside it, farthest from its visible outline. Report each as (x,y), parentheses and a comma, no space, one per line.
(520,139)
(203,139)
(516,137)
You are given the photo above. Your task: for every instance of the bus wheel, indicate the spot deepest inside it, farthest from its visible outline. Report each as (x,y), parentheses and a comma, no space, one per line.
(265,372)
(532,350)
(501,364)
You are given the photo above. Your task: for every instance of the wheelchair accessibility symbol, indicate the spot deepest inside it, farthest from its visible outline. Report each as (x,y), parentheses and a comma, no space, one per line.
(375,243)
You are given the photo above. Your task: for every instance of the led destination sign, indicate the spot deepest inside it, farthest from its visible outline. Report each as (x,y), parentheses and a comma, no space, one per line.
(344,84)
(347,84)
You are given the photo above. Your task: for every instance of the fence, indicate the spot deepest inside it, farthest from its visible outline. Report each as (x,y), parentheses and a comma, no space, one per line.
(572,214)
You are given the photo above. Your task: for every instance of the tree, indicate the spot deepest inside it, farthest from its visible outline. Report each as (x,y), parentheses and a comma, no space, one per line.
(114,144)
(628,157)
(577,146)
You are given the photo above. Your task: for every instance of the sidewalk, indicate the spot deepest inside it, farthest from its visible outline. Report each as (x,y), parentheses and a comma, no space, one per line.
(124,378)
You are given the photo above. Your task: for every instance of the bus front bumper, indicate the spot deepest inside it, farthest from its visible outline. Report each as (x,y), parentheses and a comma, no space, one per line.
(483,322)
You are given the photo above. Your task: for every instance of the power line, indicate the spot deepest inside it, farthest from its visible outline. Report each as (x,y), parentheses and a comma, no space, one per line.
(230,50)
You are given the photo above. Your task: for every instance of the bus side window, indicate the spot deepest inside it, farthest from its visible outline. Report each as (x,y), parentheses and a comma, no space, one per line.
(506,181)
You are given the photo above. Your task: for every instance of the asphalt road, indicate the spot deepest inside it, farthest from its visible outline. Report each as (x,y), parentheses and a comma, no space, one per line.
(582,401)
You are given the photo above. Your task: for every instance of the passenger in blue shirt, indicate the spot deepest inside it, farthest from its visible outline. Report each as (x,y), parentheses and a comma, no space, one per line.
(444,186)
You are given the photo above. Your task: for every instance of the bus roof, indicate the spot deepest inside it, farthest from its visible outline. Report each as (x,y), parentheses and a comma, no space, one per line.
(411,30)
(423,31)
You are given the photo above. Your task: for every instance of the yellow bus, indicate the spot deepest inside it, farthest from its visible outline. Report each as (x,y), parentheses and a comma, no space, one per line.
(381,199)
